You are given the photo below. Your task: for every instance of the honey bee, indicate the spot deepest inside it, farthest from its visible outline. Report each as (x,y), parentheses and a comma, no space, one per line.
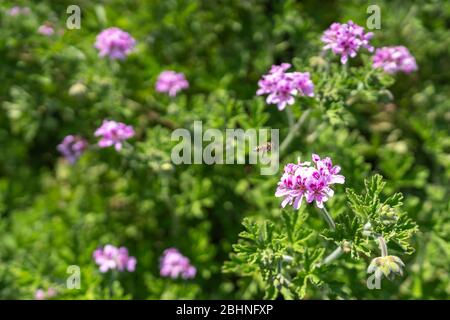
(266,147)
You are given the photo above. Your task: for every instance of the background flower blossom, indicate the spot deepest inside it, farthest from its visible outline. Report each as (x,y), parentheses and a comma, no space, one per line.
(16,10)
(113,258)
(115,43)
(40,294)
(305,181)
(72,147)
(394,59)
(174,265)
(281,87)
(113,133)
(171,82)
(345,39)
(46,30)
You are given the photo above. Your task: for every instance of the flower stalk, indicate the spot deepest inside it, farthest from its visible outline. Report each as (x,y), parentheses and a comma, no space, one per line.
(293,131)
(333,256)
(383,246)
(338,251)
(326,215)
(290,117)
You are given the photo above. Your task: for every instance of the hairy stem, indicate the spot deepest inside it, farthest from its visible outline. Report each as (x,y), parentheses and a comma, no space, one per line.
(383,246)
(290,117)
(333,256)
(326,215)
(293,131)
(338,251)
(345,69)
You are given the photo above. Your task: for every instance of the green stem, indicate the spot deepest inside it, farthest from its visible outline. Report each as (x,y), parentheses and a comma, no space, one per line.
(293,131)
(290,117)
(383,246)
(345,69)
(326,215)
(112,278)
(332,256)
(338,251)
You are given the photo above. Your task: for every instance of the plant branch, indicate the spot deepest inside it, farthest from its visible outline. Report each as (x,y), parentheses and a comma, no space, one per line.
(326,215)
(383,246)
(332,256)
(293,131)
(338,251)
(290,117)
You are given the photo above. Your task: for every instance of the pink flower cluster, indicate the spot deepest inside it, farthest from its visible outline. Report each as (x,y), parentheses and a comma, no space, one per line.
(72,147)
(282,86)
(171,82)
(115,43)
(311,182)
(113,258)
(46,30)
(394,59)
(16,10)
(42,295)
(345,39)
(113,133)
(174,265)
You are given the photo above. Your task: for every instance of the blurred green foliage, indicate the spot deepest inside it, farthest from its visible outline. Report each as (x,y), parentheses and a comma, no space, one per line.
(53,215)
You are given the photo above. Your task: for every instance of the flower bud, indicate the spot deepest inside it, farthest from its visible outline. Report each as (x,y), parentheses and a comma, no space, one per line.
(367,229)
(346,246)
